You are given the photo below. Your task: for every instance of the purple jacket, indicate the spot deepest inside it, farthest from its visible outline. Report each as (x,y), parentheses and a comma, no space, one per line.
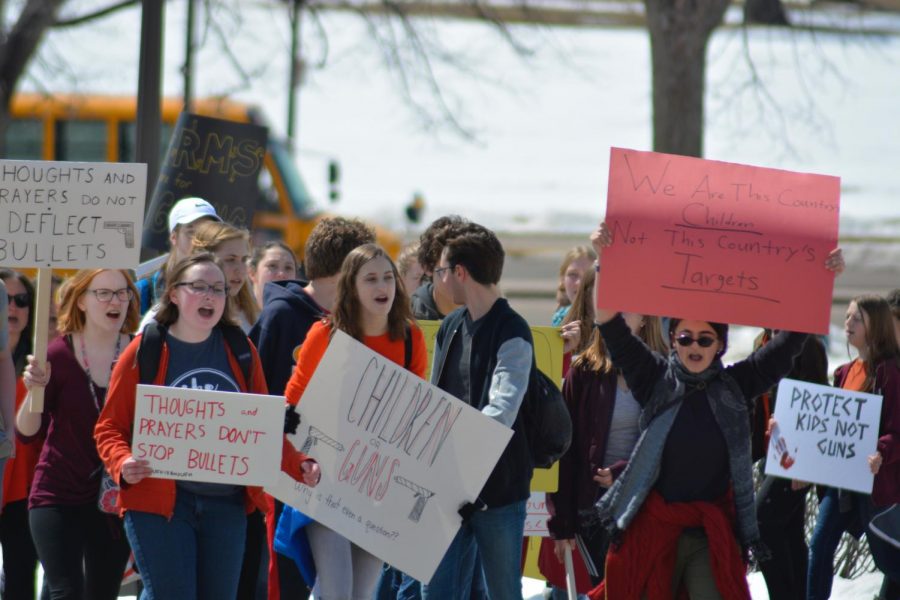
(590,398)
(886,488)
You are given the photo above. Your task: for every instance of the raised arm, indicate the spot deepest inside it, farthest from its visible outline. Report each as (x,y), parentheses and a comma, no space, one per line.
(765,367)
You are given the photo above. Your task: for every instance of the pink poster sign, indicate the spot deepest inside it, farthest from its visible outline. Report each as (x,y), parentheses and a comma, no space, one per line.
(718,241)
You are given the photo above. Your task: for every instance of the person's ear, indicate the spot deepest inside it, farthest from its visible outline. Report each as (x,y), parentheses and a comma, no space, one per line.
(720,348)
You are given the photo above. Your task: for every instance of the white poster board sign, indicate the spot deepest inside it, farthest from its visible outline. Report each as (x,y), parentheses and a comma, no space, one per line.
(536,516)
(215,437)
(398,456)
(71,215)
(824,435)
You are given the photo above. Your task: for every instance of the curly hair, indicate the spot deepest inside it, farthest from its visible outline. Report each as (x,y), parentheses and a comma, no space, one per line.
(435,237)
(329,243)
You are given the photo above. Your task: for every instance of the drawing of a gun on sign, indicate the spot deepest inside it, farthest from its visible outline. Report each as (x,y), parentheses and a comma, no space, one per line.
(314,436)
(421,495)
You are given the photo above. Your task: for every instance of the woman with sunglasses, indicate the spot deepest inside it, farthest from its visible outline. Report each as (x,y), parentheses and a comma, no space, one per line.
(19,556)
(187,536)
(683,507)
(83,550)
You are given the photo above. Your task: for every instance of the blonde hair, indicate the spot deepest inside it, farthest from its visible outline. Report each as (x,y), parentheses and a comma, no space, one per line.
(208,237)
(576,253)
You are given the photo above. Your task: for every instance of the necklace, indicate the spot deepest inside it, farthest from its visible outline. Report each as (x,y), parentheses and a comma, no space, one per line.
(87,367)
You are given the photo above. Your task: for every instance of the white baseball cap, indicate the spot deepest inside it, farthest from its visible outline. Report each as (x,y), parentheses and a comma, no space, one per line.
(188,210)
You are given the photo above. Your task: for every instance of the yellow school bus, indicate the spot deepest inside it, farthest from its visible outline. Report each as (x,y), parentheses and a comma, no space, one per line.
(103,128)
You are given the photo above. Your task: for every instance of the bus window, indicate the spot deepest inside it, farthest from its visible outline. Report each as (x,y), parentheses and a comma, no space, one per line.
(25,139)
(81,140)
(301,201)
(128,141)
(268,193)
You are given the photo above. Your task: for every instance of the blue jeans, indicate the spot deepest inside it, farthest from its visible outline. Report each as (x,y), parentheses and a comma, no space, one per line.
(831,523)
(496,535)
(194,556)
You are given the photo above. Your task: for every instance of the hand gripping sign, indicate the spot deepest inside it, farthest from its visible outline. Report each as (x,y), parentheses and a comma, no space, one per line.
(398,456)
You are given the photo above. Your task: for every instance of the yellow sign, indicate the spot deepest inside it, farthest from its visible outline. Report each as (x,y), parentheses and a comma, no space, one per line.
(548,353)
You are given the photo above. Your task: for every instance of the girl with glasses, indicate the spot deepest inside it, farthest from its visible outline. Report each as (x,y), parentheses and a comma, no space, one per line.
(187,537)
(83,550)
(683,508)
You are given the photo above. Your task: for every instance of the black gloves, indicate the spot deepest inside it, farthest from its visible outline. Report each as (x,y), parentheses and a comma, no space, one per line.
(468,509)
(291,419)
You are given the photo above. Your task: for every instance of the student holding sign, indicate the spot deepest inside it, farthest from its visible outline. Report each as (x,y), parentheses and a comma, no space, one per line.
(870,330)
(372,307)
(187,537)
(605,418)
(83,550)
(684,504)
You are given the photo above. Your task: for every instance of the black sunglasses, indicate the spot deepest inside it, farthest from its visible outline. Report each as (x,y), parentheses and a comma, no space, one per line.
(21,300)
(704,341)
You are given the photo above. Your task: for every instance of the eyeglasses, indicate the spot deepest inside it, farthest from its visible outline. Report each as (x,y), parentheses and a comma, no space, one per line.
(21,300)
(106,295)
(704,341)
(441,270)
(201,288)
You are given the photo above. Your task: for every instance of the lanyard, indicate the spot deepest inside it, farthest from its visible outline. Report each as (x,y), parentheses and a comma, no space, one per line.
(87,366)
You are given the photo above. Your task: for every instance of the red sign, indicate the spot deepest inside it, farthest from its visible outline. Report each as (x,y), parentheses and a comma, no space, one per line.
(716,241)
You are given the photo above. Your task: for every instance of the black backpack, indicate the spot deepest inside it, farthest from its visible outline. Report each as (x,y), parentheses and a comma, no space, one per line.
(154,335)
(548,426)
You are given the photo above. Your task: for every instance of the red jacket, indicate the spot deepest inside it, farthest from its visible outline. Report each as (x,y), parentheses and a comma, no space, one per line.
(886,488)
(113,434)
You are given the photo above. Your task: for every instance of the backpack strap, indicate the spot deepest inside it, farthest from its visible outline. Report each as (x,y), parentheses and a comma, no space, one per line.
(407,347)
(240,347)
(154,335)
(149,351)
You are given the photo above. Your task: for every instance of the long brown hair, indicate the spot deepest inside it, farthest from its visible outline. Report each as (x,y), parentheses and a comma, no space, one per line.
(593,355)
(576,253)
(168,310)
(881,342)
(70,318)
(208,237)
(347,314)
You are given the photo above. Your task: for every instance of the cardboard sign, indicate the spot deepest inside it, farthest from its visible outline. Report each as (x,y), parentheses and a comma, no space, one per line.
(214,159)
(824,435)
(71,215)
(216,437)
(398,457)
(715,241)
(548,354)
(537,515)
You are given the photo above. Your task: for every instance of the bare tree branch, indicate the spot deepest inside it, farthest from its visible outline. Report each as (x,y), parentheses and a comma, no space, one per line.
(97,14)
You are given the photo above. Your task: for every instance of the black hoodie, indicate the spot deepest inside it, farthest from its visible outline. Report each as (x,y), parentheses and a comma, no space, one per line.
(288,313)
(423,305)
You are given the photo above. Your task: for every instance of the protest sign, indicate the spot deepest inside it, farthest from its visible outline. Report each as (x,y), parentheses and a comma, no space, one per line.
(717,241)
(536,515)
(214,159)
(71,215)
(398,457)
(216,437)
(548,354)
(824,435)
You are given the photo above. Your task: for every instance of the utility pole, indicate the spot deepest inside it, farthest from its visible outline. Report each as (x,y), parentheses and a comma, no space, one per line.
(296,13)
(149,95)
(188,69)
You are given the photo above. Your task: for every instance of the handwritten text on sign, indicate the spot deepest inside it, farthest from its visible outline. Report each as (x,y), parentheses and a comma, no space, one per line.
(717,241)
(216,437)
(398,455)
(824,435)
(70,214)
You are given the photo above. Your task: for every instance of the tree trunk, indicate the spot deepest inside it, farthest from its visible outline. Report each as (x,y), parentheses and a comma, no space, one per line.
(679,33)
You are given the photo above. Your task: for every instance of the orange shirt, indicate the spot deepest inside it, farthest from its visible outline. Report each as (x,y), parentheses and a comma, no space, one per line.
(20,470)
(317,342)
(856,376)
